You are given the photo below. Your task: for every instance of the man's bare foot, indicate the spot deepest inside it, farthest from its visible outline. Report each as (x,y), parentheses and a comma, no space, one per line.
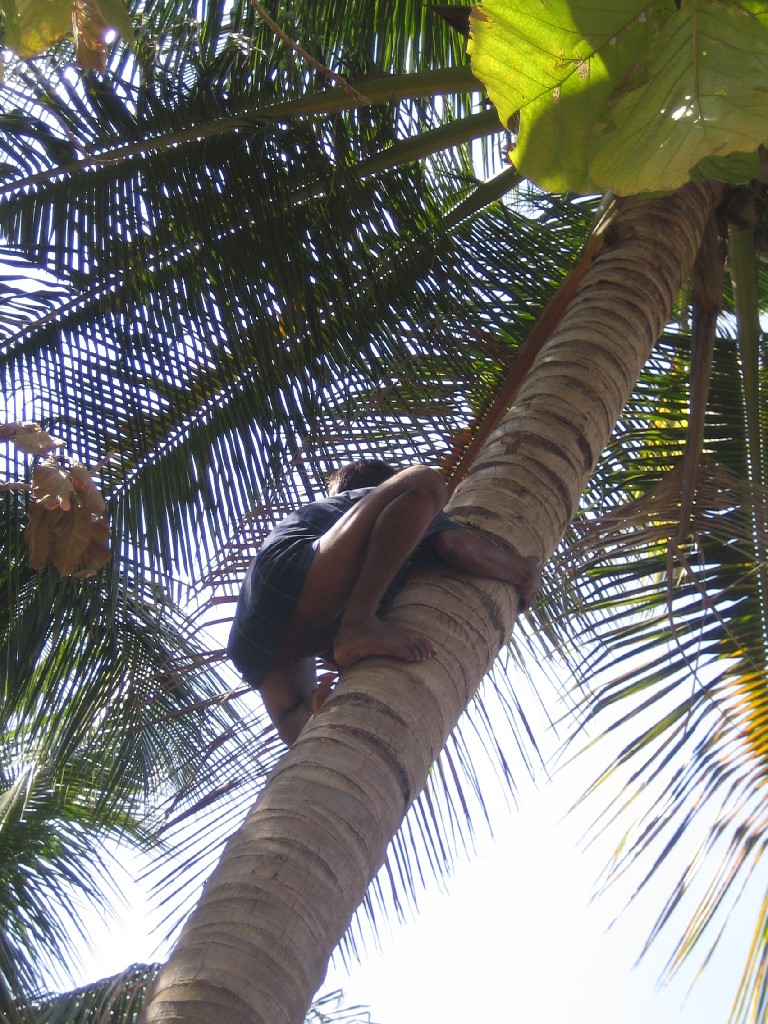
(372,637)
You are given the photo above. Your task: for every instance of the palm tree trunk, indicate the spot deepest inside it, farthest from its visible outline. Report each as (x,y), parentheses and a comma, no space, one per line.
(256,947)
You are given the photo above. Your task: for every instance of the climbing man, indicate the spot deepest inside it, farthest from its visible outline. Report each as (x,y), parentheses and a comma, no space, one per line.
(318,583)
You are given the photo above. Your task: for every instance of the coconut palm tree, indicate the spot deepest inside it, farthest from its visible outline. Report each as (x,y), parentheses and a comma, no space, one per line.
(367,759)
(176,345)
(241,272)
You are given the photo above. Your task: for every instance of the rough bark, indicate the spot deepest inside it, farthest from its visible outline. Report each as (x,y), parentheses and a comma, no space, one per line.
(256,947)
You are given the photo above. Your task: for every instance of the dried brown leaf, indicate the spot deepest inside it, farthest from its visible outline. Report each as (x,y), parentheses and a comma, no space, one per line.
(29,438)
(52,486)
(97,554)
(89,30)
(38,535)
(71,537)
(88,493)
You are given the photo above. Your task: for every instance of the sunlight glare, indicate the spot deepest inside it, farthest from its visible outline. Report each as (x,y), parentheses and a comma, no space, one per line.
(686,110)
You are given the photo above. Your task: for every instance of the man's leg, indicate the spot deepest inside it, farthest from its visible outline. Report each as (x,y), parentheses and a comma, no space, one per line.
(358,558)
(354,564)
(287,693)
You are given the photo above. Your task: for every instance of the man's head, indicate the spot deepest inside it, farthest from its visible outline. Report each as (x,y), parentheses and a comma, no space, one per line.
(363,473)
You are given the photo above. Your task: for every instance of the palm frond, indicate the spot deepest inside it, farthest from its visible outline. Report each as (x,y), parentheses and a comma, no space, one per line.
(53,831)
(121,998)
(674,645)
(664,629)
(170,331)
(115,999)
(110,707)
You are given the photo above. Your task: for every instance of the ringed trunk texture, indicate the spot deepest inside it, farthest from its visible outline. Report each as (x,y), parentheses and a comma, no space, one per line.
(256,947)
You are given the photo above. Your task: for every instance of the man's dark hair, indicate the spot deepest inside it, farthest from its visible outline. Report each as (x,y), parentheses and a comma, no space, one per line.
(363,473)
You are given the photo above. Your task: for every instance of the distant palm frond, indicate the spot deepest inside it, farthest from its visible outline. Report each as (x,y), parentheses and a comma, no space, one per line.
(672,649)
(121,998)
(224,274)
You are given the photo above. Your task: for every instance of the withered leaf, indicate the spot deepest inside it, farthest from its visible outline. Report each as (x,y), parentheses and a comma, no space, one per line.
(90,31)
(29,438)
(88,493)
(65,522)
(38,535)
(97,554)
(52,486)
(71,537)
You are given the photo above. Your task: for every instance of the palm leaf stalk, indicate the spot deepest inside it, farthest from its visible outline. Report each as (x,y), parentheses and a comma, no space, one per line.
(98,157)
(747,306)
(159,267)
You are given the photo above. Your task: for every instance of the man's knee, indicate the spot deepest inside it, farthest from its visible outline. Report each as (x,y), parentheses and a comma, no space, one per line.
(425,482)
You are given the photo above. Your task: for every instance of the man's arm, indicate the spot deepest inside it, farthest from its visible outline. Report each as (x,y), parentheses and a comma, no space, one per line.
(474,554)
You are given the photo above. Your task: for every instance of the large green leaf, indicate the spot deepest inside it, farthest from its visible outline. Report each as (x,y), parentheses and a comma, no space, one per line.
(32,26)
(557,65)
(628,97)
(38,24)
(700,90)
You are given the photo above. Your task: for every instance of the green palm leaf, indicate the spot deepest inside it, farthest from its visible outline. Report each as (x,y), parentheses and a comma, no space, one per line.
(171,332)
(673,646)
(243,273)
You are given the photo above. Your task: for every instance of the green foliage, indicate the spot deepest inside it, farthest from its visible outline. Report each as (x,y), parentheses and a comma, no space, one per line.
(671,650)
(119,1000)
(32,26)
(215,304)
(630,97)
(106,714)
(222,276)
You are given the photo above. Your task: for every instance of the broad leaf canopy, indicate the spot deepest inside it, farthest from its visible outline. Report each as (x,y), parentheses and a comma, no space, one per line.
(629,97)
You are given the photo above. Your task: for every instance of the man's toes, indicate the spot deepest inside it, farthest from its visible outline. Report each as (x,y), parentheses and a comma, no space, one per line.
(424,648)
(412,647)
(415,651)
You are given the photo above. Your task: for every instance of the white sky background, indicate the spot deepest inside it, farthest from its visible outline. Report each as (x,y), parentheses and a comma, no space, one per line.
(516,936)
(518,940)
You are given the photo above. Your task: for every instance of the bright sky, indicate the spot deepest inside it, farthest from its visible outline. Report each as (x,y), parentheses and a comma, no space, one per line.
(518,940)
(516,937)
